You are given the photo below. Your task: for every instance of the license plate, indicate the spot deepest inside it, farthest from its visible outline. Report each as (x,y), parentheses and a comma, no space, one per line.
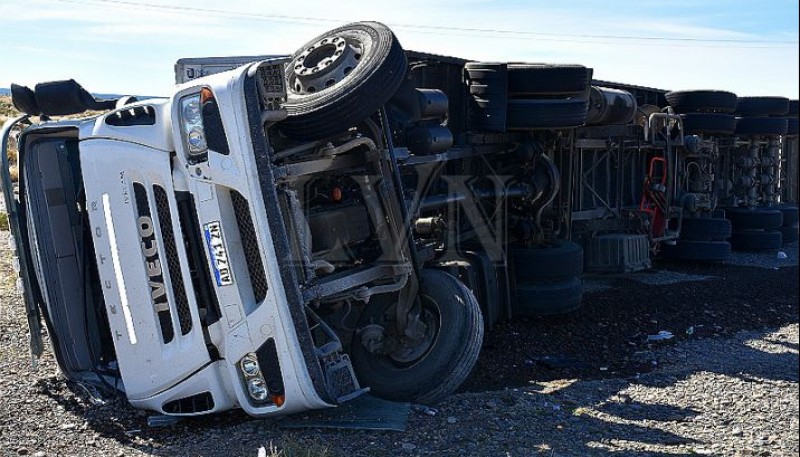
(218,253)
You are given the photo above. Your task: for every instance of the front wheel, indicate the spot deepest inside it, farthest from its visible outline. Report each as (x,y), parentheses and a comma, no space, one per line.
(430,369)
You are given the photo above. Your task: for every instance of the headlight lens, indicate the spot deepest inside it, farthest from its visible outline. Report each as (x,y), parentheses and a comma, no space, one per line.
(257,389)
(249,365)
(192,125)
(191,110)
(196,139)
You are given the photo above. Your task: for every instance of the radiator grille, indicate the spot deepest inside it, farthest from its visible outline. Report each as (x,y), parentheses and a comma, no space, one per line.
(143,208)
(207,302)
(173,262)
(198,403)
(252,253)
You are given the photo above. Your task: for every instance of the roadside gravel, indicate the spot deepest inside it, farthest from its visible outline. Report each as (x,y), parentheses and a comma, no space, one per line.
(588,384)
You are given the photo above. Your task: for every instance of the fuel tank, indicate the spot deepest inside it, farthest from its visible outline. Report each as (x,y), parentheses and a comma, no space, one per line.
(610,106)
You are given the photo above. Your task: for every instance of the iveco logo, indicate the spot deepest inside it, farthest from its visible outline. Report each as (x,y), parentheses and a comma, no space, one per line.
(152,263)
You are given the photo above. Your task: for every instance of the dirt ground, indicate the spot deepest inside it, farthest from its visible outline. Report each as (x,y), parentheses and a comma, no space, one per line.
(585,384)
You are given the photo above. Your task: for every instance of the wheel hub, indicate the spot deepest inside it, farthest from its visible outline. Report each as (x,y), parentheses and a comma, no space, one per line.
(408,350)
(324,64)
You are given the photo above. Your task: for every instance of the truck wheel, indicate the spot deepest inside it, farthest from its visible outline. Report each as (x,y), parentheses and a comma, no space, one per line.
(547,79)
(434,368)
(536,114)
(558,261)
(789,234)
(548,299)
(756,239)
(696,101)
(699,123)
(704,251)
(754,219)
(340,78)
(490,73)
(794,107)
(792,126)
(762,126)
(790,215)
(705,229)
(762,106)
(486,90)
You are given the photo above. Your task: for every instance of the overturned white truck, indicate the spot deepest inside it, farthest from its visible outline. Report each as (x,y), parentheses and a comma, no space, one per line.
(289,233)
(281,236)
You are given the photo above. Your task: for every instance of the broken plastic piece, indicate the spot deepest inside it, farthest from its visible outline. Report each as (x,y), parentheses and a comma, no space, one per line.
(161,420)
(424,409)
(782,255)
(661,336)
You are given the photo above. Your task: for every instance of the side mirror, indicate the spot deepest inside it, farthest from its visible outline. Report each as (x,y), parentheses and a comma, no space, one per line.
(24,100)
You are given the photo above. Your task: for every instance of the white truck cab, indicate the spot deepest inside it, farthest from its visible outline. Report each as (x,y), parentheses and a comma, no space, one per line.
(234,245)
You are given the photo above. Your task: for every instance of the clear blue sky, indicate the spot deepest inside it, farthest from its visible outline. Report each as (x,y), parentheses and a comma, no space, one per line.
(125,46)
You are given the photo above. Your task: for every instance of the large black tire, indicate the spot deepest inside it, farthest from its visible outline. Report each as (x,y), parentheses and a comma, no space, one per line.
(762,106)
(793,108)
(377,66)
(754,219)
(490,73)
(439,371)
(547,79)
(490,103)
(487,91)
(789,234)
(548,299)
(762,126)
(790,214)
(705,229)
(792,126)
(695,101)
(708,123)
(527,114)
(553,262)
(702,251)
(488,120)
(756,240)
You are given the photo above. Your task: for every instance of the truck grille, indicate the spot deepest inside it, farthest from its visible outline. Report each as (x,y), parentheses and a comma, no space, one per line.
(194,404)
(143,208)
(198,266)
(252,253)
(173,262)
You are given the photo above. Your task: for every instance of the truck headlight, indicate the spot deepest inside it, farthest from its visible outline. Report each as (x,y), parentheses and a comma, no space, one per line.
(257,389)
(192,127)
(249,365)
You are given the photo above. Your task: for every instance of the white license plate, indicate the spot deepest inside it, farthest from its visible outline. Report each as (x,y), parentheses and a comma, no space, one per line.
(218,253)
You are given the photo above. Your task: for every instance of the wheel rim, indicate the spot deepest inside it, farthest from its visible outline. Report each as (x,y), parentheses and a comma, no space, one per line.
(325,64)
(410,352)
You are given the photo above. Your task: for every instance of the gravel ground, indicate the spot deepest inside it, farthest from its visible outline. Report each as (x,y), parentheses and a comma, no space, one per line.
(765,259)
(588,384)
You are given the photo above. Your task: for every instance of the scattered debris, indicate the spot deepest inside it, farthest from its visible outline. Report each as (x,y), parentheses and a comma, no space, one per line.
(690,330)
(424,409)
(782,255)
(661,336)
(160,420)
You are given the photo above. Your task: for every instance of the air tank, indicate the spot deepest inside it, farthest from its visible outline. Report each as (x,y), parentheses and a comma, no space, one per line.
(609,106)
